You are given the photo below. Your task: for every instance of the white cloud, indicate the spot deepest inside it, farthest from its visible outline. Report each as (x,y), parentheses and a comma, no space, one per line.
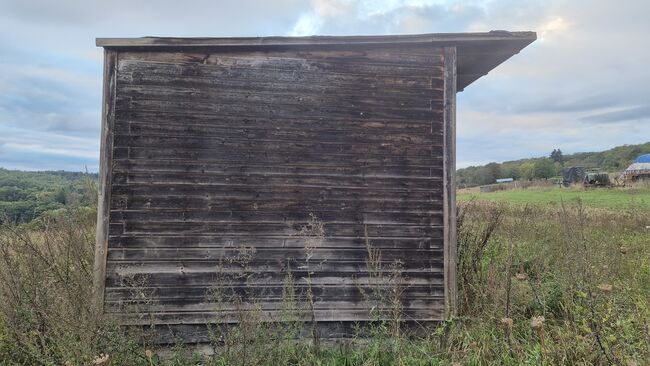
(307,25)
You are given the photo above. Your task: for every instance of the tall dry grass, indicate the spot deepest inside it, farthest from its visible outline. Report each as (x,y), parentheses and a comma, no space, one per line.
(46,312)
(537,285)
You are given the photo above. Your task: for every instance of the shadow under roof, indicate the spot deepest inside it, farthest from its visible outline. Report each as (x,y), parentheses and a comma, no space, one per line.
(477,53)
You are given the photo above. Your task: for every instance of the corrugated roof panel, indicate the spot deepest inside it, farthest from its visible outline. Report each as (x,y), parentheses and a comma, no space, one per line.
(638,167)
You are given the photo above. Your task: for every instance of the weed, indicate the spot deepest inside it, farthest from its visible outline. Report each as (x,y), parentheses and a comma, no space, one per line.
(537,285)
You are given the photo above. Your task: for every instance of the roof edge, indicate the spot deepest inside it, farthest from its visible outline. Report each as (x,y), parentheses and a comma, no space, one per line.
(434,38)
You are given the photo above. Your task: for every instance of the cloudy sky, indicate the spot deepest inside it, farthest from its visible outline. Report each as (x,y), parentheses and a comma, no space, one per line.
(583,86)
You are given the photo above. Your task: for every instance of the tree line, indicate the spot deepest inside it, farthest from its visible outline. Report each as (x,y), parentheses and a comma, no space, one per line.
(613,160)
(25,196)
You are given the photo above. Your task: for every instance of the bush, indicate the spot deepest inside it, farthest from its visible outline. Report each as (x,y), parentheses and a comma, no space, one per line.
(537,285)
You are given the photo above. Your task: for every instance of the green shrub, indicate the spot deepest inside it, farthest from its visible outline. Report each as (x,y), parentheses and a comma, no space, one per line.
(585,271)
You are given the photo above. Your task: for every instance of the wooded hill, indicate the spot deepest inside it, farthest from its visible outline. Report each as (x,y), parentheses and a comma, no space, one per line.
(612,160)
(25,196)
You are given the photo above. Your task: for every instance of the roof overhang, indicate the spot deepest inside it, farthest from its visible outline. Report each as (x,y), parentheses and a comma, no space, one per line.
(477,53)
(638,167)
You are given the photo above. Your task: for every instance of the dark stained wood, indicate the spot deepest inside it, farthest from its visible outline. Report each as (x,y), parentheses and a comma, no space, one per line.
(341,315)
(203,241)
(331,333)
(477,53)
(105,176)
(236,169)
(449,179)
(430,40)
(221,160)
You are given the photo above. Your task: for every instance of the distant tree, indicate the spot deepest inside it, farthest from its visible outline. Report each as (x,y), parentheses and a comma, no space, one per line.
(61,196)
(557,156)
(493,172)
(527,170)
(613,160)
(511,171)
(544,168)
(26,195)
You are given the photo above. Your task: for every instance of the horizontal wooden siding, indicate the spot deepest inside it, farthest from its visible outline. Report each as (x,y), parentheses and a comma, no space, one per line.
(231,170)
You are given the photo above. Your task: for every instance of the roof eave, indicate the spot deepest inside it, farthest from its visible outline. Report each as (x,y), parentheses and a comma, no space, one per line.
(194,42)
(477,53)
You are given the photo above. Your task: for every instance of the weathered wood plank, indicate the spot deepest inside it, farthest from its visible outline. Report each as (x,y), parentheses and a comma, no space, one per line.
(330,315)
(285,192)
(307,157)
(282,129)
(281,134)
(281,68)
(287,123)
(450,180)
(189,241)
(221,161)
(315,262)
(334,230)
(105,177)
(317,203)
(232,57)
(335,332)
(277,293)
(359,254)
(295,169)
(408,41)
(129,276)
(218,146)
(190,307)
(289,82)
(411,42)
(345,98)
(412,184)
(334,217)
(271,110)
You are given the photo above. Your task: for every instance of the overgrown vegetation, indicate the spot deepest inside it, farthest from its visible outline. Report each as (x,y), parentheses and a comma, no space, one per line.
(566,284)
(613,160)
(25,196)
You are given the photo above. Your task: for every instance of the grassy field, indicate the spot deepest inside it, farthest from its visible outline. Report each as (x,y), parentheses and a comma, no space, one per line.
(613,198)
(538,285)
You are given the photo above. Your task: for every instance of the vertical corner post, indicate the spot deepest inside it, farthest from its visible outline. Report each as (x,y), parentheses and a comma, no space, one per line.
(105,174)
(449,179)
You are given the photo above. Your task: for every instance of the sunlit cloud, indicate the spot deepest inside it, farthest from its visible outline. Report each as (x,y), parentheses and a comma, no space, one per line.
(554,27)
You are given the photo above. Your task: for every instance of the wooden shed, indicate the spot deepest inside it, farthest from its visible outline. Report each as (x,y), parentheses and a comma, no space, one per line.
(234,167)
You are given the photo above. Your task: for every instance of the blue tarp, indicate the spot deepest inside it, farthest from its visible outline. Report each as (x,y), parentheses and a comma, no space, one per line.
(643,159)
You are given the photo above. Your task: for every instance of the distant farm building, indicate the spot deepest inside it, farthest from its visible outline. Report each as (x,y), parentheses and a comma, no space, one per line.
(573,175)
(500,185)
(640,169)
(596,179)
(233,166)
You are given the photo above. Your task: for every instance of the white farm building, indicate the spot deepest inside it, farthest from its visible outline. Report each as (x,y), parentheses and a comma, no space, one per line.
(639,169)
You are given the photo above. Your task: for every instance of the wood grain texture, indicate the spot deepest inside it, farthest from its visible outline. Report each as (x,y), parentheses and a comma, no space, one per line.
(449,180)
(105,176)
(429,40)
(233,171)
(477,53)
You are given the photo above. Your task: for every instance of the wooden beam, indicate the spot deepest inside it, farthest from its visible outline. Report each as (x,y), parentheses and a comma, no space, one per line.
(449,178)
(105,173)
(451,38)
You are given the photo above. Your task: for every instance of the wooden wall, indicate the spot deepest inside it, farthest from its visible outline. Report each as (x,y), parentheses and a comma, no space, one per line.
(223,171)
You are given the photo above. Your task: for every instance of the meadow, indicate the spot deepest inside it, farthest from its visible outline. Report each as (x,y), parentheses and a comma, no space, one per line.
(546,277)
(610,198)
